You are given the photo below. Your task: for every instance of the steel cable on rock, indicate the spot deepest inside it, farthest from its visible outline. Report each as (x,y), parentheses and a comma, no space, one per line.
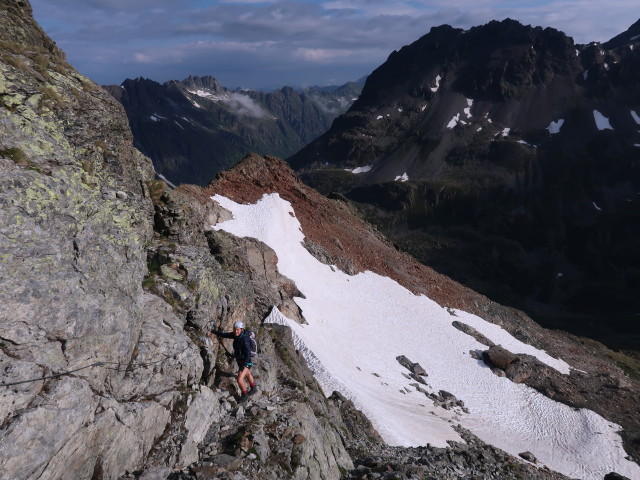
(95,364)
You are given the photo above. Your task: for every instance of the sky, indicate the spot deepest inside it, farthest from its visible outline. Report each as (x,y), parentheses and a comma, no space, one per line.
(358,325)
(269,44)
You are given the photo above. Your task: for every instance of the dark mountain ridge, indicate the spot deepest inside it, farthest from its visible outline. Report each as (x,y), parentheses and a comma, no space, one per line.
(194,128)
(505,156)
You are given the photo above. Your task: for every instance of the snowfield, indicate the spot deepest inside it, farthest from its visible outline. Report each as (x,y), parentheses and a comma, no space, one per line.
(358,325)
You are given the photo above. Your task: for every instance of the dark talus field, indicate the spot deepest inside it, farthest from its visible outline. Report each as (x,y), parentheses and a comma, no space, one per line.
(508,158)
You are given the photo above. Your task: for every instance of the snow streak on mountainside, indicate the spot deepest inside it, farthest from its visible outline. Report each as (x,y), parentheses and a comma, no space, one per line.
(358,325)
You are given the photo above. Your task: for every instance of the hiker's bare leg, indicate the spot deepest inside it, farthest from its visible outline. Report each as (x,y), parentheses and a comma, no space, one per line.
(241,375)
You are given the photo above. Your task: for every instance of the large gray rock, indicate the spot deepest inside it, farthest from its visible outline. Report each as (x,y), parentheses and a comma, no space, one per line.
(203,411)
(318,451)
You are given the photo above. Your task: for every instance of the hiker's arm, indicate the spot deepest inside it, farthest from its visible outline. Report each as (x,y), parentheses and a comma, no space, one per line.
(222,334)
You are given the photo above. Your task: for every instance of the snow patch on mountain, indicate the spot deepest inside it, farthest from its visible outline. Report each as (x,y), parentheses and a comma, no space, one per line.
(402,178)
(524,142)
(435,89)
(602,122)
(214,97)
(187,120)
(240,103)
(467,111)
(554,127)
(364,169)
(387,320)
(454,121)
(635,116)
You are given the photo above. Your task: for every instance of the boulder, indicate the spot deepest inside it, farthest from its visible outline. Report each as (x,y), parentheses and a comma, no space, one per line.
(413,367)
(615,476)
(469,330)
(203,411)
(498,357)
(528,456)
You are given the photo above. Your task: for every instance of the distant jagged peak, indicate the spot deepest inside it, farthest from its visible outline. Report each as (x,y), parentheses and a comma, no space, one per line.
(138,82)
(207,82)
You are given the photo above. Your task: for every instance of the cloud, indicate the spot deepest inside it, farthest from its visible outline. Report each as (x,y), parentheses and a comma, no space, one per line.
(255,43)
(244,105)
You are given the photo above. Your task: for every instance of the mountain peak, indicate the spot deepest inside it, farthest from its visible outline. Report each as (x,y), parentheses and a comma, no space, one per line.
(463,127)
(629,37)
(205,82)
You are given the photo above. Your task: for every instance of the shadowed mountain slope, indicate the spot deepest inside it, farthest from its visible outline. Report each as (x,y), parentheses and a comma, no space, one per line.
(505,156)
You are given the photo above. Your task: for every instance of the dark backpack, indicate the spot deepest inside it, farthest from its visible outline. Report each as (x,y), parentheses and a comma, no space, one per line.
(253,341)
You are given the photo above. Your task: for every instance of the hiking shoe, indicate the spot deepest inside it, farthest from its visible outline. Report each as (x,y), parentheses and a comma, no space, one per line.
(243,398)
(253,390)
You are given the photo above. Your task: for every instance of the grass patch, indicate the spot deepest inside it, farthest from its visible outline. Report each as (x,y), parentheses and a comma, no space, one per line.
(629,364)
(49,100)
(13,47)
(17,155)
(41,65)
(88,85)
(16,62)
(156,189)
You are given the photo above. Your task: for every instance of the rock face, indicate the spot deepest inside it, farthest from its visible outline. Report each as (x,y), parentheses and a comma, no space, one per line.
(216,126)
(504,156)
(109,284)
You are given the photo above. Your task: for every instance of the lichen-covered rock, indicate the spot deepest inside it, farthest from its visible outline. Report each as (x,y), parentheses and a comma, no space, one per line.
(75,220)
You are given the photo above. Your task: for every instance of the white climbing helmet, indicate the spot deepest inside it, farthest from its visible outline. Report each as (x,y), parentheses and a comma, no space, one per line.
(238,325)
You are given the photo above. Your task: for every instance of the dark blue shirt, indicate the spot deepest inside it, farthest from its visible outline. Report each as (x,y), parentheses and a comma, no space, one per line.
(241,345)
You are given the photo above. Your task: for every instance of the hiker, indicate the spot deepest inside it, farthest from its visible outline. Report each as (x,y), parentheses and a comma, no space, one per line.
(242,354)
